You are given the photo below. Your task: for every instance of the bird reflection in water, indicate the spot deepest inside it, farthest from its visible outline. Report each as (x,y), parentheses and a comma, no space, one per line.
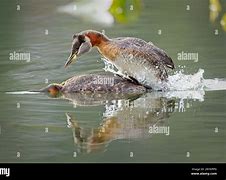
(128,119)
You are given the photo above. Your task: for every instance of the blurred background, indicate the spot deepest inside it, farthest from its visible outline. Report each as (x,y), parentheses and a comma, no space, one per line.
(45,29)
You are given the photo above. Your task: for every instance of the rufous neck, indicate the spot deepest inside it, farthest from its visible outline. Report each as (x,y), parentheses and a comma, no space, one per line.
(97,38)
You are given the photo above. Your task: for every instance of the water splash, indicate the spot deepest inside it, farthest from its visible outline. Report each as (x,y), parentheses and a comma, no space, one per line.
(194,82)
(109,67)
(22,92)
(182,82)
(214,84)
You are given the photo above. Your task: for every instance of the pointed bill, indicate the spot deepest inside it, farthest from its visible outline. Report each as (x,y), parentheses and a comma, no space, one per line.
(71,58)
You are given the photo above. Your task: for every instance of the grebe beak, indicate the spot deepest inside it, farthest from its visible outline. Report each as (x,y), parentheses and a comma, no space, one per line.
(83,48)
(70,59)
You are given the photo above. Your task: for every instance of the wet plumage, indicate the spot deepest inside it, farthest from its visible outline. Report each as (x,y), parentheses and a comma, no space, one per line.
(95,83)
(100,83)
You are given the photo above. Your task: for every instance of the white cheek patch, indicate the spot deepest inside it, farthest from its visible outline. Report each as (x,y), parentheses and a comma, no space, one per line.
(84,48)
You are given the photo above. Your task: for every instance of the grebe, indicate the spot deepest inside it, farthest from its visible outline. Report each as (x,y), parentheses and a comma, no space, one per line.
(94,83)
(136,59)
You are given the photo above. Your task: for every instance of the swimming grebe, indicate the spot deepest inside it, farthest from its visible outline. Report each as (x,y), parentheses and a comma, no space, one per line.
(94,83)
(133,57)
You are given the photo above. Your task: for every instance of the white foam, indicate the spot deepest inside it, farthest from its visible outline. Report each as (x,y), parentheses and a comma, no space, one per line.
(22,92)
(183,82)
(214,84)
(195,82)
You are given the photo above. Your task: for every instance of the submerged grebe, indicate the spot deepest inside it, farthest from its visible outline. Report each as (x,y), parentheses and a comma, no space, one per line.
(135,58)
(94,83)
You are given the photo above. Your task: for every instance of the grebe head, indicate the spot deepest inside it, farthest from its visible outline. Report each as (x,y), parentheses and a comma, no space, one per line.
(83,42)
(53,90)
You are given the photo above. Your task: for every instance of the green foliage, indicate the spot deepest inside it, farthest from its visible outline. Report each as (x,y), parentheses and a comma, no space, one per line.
(216,9)
(125,11)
